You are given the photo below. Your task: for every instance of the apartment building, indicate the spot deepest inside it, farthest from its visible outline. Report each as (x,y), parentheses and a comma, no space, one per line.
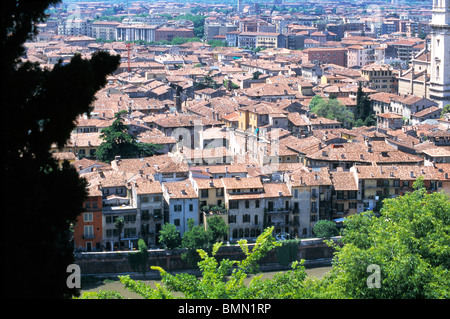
(380,78)
(168,34)
(88,229)
(181,204)
(136,32)
(147,197)
(105,30)
(311,195)
(261,39)
(244,198)
(336,56)
(74,27)
(361,54)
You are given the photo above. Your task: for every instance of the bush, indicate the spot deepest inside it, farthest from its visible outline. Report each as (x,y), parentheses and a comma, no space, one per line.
(325,229)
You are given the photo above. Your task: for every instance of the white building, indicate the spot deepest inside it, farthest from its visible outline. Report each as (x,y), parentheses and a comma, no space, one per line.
(440,52)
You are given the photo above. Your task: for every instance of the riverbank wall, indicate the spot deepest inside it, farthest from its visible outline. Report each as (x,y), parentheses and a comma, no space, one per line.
(105,264)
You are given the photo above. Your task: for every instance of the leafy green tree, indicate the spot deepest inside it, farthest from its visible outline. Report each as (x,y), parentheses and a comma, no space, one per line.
(195,238)
(409,243)
(445,110)
(216,280)
(314,101)
(217,228)
(118,142)
(333,109)
(169,236)
(217,43)
(325,229)
(102,294)
(139,260)
(256,75)
(41,107)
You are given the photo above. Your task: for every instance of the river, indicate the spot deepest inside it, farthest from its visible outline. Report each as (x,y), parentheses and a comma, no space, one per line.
(116,285)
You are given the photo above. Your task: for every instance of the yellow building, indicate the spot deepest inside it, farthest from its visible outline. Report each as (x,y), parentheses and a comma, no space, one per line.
(210,195)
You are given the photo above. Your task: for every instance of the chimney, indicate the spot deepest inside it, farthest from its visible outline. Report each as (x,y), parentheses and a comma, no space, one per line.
(226,169)
(316,177)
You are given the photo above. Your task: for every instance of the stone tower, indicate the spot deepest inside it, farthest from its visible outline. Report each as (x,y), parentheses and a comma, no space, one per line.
(440,53)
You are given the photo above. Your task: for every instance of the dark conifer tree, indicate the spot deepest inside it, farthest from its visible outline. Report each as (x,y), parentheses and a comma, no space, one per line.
(40,199)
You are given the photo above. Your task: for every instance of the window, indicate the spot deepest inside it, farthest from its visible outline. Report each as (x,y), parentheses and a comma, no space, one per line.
(246,218)
(191,207)
(203,193)
(176,222)
(145,215)
(87,217)
(247,204)
(234,204)
(257,203)
(144,199)
(177,208)
(231,219)
(88,231)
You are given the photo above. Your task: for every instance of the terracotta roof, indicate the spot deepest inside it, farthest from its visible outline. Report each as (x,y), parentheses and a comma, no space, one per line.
(180,190)
(242,182)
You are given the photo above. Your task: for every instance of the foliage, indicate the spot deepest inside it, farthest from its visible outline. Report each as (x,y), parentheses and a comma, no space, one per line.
(138,260)
(198,20)
(217,43)
(217,229)
(199,238)
(102,294)
(118,142)
(363,114)
(195,238)
(410,243)
(41,107)
(445,110)
(314,101)
(230,85)
(332,109)
(216,280)
(256,75)
(169,236)
(325,229)
(288,251)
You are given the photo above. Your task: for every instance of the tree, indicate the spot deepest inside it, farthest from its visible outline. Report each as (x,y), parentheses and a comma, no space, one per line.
(217,228)
(138,260)
(314,101)
(226,279)
(118,142)
(169,236)
(408,245)
(333,109)
(44,200)
(195,238)
(445,110)
(325,229)
(363,113)
(256,75)
(119,223)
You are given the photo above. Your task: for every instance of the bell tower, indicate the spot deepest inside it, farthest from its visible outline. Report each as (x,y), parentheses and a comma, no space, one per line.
(440,53)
